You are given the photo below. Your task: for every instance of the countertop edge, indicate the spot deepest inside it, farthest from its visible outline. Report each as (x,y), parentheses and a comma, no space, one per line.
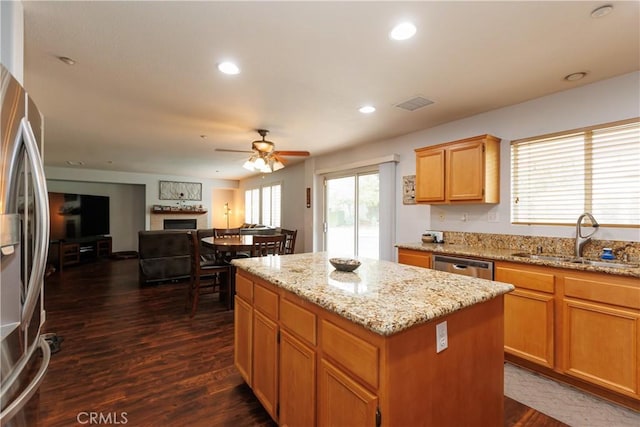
(506,255)
(385,328)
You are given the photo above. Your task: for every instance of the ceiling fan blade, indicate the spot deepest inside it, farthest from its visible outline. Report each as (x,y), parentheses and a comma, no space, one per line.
(293,153)
(280,159)
(224,150)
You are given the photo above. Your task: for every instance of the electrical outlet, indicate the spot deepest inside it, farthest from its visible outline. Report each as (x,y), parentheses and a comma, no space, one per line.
(442,341)
(493,217)
(464,217)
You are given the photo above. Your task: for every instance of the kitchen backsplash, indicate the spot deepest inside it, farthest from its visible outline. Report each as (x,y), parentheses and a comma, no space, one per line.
(550,245)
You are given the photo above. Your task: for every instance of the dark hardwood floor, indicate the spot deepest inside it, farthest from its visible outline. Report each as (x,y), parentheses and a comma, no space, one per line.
(133,356)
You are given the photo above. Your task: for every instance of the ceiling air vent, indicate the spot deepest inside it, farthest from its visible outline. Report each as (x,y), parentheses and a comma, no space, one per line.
(414,103)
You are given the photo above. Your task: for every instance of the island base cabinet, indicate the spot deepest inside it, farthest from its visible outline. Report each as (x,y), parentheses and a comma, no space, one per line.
(601,345)
(311,367)
(243,318)
(297,382)
(265,362)
(342,401)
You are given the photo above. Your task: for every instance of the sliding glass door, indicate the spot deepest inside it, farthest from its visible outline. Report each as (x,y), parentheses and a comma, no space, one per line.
(352,220)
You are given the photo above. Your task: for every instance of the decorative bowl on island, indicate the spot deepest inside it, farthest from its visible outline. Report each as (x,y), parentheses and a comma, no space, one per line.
(344,264)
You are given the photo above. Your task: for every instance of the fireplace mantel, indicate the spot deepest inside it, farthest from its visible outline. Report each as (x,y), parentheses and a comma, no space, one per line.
(185,211)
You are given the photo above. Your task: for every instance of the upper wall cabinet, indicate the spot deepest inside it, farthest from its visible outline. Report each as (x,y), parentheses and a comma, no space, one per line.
(465,171)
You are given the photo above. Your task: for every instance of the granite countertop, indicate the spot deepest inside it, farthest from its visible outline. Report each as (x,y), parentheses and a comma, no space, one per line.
(507,255)
(384,297)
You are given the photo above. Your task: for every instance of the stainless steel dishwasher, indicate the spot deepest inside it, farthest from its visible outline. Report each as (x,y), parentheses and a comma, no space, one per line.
(463,266)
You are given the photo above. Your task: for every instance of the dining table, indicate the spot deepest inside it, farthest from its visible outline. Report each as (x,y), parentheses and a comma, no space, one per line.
(231,247)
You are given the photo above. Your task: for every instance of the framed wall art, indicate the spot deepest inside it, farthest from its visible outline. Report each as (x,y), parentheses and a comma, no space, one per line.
(175,190)
(409,190)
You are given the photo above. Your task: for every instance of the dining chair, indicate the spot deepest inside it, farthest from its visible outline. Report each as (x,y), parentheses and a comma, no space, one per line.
(268,245)
(290,240)
(207,276)
(207,253)
(226,232)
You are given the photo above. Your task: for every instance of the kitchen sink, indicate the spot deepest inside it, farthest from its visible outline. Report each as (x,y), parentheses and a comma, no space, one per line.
(609,264)
(558,258)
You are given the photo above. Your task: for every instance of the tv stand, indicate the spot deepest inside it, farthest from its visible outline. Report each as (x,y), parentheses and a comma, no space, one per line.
(75,251)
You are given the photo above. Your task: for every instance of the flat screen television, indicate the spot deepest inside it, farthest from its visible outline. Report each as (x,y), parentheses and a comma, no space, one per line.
(78,216)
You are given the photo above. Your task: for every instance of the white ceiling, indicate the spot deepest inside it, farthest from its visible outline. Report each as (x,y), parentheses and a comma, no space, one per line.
(145,85)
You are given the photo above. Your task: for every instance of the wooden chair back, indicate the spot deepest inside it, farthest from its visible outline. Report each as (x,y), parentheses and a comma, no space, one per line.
(206,253)
(226,232)
(268,245)
(206,275)
(290,240)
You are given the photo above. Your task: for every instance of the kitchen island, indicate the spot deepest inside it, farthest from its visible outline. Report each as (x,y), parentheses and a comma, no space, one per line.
(323,347)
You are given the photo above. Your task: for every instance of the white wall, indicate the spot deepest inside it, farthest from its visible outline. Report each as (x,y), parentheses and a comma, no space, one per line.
(143,200)
(12,38)
(126,208)
(602,102)
(293,197)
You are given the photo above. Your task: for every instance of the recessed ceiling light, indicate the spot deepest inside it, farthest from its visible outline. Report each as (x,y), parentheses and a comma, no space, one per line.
(228,68)
(575,76)
(601,11)
(67,60)
(367,109)
(403,31)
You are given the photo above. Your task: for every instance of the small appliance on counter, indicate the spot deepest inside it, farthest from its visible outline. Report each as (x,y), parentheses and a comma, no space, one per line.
(431,236)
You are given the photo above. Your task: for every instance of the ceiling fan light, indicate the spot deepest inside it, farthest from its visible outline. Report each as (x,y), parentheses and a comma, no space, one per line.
(263,146)
(277,165)
(259,163)
(266,168)
(249,165)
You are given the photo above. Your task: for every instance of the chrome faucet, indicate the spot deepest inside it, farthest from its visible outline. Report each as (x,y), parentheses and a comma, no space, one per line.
(580,239)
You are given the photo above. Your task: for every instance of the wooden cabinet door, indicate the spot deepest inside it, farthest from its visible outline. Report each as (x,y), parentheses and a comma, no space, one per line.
(265,362)
(430,175)
(529,326)
(417,258)
(342,401)
(465,172)
(243,318)
(601,345)
(297,383)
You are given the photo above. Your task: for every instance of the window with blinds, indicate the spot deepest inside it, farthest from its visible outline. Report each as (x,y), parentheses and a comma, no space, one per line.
(263,205)
(555,178)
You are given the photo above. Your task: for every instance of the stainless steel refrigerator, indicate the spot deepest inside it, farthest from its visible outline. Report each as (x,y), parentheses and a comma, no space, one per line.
(24,238)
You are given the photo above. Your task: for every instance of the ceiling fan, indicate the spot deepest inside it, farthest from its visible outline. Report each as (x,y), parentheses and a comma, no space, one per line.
(264,157)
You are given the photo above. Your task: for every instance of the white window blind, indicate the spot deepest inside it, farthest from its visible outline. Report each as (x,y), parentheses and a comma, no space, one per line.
(252,206)
(263,205)
(266,205)
(556,178)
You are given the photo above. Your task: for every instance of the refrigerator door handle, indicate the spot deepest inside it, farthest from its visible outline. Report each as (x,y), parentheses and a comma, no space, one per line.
(42,224)
(30,389)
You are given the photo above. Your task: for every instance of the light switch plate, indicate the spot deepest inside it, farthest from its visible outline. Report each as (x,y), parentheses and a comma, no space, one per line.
(442,340)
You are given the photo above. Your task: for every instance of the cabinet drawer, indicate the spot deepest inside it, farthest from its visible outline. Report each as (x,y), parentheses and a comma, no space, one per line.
(417,258)
(600,291)
(527,278)
(355,354)
(244,288)
(266,301)
(298,320)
